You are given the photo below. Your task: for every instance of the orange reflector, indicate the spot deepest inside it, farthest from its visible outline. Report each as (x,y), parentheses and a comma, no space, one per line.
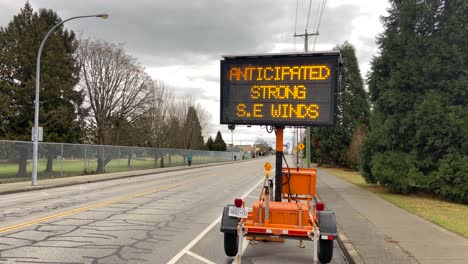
(267,166)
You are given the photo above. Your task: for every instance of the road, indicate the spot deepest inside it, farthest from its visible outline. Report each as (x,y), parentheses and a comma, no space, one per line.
(169,217)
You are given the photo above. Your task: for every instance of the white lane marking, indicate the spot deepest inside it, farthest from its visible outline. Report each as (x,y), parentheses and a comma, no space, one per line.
(194,241)
(204,232)
(202,259)
(251,196)
(251,190)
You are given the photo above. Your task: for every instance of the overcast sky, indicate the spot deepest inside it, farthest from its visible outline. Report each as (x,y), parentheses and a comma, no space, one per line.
(181,42)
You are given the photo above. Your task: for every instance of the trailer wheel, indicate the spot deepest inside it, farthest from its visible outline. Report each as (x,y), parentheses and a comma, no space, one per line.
(325,250)
(231,242)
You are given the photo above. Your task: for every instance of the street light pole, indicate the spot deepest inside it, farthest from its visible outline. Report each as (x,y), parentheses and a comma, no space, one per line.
(36,99)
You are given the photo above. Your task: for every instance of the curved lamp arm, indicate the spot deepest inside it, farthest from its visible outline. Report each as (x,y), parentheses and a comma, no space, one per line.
(36,100)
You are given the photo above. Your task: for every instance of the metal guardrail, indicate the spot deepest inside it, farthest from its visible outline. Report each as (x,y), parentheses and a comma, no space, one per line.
(63,159)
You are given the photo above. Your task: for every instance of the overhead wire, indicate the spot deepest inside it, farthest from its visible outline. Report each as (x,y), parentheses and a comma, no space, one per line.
(324,3)
(316,12)
(308,16)
(317,20)
(295,25)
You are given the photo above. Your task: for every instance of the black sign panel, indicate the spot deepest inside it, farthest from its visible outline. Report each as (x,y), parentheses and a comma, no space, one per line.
(280,90)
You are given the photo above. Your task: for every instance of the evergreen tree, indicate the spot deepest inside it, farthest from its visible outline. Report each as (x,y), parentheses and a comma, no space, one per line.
(419,123)
(209,143)
(192,131)
(219,144)
(4,111)
(331,145)
(59,102)
(175,130)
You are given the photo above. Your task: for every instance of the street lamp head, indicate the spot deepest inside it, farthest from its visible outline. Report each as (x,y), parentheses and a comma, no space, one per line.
(104,16)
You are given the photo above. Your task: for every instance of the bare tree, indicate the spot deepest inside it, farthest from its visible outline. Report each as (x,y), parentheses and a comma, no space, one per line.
(204,118)
(116,88)
(182,108)
(159,110)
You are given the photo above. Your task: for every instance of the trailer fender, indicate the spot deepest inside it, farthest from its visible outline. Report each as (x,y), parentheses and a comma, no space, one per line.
(327,223)
(228,223)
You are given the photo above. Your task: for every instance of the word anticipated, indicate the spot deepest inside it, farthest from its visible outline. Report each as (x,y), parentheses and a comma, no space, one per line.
(278,92)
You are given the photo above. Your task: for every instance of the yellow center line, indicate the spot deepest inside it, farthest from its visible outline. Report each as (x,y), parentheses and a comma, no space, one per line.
(101,204)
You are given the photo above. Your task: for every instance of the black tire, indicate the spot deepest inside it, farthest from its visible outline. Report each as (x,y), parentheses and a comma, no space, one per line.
(231,242)
(325,250)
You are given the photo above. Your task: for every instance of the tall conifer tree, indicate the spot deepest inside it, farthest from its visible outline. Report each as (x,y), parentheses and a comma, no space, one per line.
(59,102)
(219,143)
(192,131)
(331,144)
(419,126)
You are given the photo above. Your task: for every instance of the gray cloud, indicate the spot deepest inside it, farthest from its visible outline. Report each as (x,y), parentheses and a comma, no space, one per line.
(194,33)
(196,92)
(213,77)
(167,32)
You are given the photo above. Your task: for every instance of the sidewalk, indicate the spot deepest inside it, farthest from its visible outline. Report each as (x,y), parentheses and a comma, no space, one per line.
(66,181)
(382,232)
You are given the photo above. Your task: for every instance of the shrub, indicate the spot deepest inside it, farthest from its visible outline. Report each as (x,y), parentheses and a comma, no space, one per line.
(451,179)
(396,170)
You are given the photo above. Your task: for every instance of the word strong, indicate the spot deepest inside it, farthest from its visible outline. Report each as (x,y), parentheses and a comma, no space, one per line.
(280,90)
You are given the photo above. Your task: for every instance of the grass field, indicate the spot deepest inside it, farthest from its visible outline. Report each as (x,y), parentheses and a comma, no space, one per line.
(77,167)
(451,216)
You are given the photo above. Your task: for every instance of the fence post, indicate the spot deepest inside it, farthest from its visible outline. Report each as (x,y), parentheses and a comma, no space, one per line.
(85,167)
(102,157)
(61,160)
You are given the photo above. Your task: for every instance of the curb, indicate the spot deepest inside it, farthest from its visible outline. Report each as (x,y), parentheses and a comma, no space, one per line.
(346,246)
(136,173)
(351,254)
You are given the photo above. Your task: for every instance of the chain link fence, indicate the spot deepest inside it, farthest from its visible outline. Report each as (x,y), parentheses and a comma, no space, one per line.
(62,159)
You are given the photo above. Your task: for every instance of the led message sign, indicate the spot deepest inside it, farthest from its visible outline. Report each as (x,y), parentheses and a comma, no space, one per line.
(280,90)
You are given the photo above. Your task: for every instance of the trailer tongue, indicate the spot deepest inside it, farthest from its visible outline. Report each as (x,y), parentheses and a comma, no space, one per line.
(279,90)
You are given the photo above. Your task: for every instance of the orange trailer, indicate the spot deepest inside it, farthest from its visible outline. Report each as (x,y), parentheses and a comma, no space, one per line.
(287,207)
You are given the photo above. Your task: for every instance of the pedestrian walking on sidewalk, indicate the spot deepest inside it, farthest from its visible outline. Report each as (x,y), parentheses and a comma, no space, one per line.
(189,159)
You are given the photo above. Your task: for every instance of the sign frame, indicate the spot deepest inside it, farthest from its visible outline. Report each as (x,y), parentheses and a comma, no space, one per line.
(261,59)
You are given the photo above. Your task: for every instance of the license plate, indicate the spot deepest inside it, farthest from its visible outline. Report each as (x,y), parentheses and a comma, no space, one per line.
(237,212)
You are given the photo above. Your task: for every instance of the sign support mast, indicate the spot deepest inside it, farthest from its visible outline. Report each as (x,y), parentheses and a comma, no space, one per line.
(306,49)
(279,163)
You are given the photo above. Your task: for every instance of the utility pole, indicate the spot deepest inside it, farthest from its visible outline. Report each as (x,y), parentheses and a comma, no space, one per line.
(306,49)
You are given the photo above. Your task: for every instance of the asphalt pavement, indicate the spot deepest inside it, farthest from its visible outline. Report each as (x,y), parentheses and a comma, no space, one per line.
(168,217)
